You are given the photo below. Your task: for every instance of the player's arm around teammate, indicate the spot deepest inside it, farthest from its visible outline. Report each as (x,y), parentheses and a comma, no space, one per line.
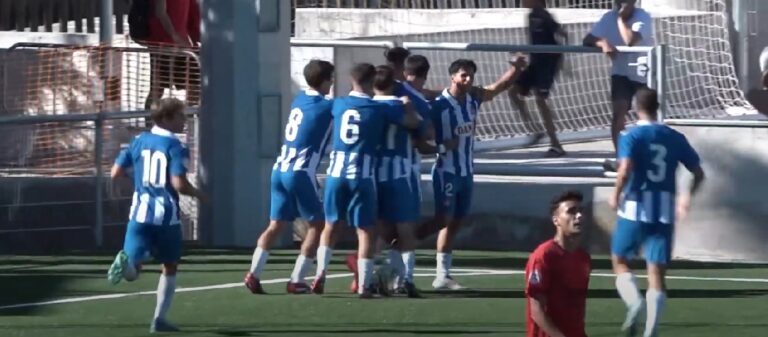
(159,161)
(293,185)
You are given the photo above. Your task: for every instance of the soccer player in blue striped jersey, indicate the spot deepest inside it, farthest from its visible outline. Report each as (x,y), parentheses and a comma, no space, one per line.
(645,196)
(359,128)
(294,182)
(159,161)
(399,204)
(454,114)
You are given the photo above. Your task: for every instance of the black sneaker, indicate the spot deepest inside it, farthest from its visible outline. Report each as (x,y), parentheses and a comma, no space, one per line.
(610,165)
(411,291)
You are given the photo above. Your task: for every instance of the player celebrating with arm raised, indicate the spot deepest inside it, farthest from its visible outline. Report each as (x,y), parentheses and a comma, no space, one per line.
(359,125)
(159,161)
(557,275)
(645,196)
(454,115)
(294,182)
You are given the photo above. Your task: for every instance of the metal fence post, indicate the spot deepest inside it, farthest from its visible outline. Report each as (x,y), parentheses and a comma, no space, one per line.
(661,79)
(98,230)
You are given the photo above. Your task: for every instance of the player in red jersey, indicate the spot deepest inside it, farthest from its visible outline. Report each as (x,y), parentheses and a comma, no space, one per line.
(557,275)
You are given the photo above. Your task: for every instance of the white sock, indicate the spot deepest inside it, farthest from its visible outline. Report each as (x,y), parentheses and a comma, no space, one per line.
(627,288)
(655,303)
(166,287)
(300,268)
(364,275)
(396,261)
(129,272)
(443,264)
(409,261)
(324,254)
(260,257)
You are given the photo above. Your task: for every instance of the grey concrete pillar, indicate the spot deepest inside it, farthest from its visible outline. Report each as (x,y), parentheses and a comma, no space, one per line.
(245,59)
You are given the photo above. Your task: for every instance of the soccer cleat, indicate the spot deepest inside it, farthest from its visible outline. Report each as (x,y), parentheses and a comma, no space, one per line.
(368,293)
(351,262)
(115,273)
(410,290)
(318,285)
(297,288)
(630,323)
(253,284)
(161,325)
(446,283)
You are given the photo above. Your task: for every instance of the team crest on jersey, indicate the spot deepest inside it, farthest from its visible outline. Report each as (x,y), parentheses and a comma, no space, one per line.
(464,129)
(535,277)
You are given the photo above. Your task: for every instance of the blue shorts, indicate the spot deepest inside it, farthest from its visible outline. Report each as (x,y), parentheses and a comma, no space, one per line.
(453,193)
(351,200)
(398,201)
(163,242)
(294,194)
(655,239)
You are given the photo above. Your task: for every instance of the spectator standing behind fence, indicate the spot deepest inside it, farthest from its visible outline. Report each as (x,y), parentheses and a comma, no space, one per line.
(625,25)
(166,23)
(758,97)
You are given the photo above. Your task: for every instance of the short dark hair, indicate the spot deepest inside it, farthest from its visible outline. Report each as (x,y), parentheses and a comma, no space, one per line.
(167,109)
(363,73)
(647,100)
(569,195)
(459,64)
(417,65)
(318,71)
(396,56)
(384,79)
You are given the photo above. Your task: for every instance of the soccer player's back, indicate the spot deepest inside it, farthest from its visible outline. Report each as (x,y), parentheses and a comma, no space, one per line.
(159,161)
(359,125)
(645,197)
(294,188)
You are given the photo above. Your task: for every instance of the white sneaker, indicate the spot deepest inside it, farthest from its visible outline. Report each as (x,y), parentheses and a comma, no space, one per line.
(446,283)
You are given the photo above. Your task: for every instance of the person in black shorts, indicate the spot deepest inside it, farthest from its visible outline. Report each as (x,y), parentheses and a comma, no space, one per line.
(540,75)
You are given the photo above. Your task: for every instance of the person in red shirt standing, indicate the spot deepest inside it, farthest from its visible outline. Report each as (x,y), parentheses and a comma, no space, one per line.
(557,275)
(173,23)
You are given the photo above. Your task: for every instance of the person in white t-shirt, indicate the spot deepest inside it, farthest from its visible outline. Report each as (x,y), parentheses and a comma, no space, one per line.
(758,97)
(626,25)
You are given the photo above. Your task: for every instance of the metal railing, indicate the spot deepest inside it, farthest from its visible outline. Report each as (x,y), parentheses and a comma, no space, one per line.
(97,119)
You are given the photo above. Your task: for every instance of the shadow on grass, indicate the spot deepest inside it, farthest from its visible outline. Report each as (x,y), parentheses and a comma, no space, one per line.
(597,263)
(602,293)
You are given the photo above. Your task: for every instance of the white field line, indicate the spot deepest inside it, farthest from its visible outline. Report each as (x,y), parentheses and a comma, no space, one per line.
(454,272)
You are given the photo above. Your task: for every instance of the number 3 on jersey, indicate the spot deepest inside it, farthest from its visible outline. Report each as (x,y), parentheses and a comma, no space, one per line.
(350,131)
(292,128)
(155,168)
(659,172)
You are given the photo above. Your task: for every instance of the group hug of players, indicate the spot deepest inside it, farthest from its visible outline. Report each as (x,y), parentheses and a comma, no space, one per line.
(375,136)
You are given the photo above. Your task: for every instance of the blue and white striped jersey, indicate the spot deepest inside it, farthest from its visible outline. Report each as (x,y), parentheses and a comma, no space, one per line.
(306,133)
(359,124)
(422,106)
(452,118)
(655,151)
(155,156)
(396,154)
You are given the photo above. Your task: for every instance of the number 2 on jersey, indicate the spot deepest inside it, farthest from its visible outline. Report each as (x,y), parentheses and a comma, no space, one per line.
(350,132)
(659,172)
(155,168)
